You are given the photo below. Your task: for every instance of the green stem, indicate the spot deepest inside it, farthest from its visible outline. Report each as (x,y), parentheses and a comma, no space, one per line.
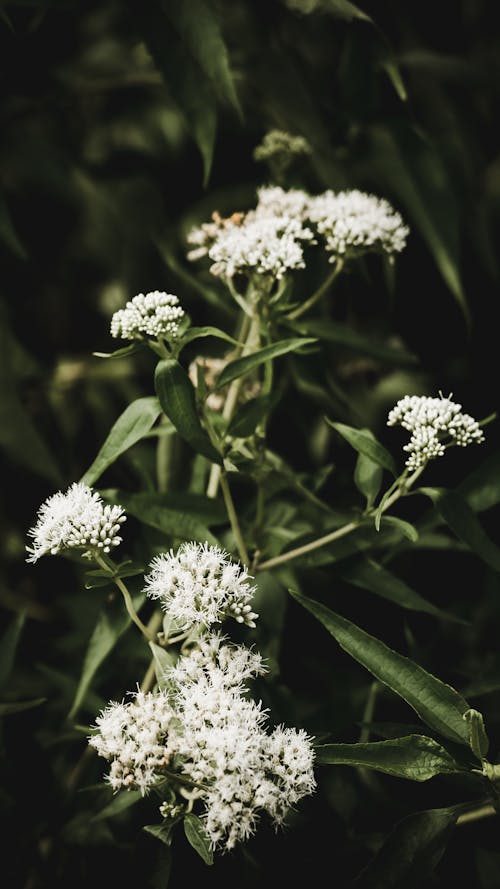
(476,814)
(301,310)
(233,518)
(108,566)
(165,452)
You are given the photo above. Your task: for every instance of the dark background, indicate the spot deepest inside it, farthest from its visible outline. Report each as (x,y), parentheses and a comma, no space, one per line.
(103,112)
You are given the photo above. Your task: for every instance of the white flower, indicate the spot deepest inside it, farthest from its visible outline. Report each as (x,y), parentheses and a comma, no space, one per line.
(264,245)
(430,420)
(153,315)
(78,520)
(201,585)
(276,201)
(353,222)
(134,736)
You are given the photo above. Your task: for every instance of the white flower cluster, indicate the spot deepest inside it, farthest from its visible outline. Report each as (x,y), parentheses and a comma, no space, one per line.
(353,222)
(218,738)
(430,420)
(270,239)
(153,315)
(266,245)
(199,584)
(77,519)
(134,736)
(281,145)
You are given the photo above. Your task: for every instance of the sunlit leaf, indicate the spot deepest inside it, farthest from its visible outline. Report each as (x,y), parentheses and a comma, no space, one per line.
(415,757)
(133,424)
(364,443)
(177,398)
(198,838)
(244,365)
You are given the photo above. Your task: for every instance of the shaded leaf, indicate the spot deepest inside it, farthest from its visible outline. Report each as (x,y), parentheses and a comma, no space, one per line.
(411,851)
(437,704)
(242,366)
(111,624)
(8,233)
(198,837)
(370,575)
(368,477)
(459,516)
(196,333)
(177,398)
(407,529)
(163,664)
(365,443)
(415,757)
(162,832)
(8,707)
(133,424)
(120,803)
(478,738)
(481,489)
(249,415)
(343,335)
(8,646)
(121,353)
(151,509)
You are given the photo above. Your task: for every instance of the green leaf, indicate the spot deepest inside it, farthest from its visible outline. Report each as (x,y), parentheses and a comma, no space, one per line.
(133,424)
(415,757)
(18,706)
(407,529)
(242,366)
(394,75)
(364,443)
(249,415)
(342,335)
(481,489)
(411,852)
(121,353)
(408,166)
(118,804)
(198,837)
(196,333)
(163,664)
(198,28)
(111,624)
(459,516)
(368,476)
(8,646)
(177,398)
(478,738)
(344,9)
(370,575)
(151,509)
(437,704)
(162,832)
(8,233)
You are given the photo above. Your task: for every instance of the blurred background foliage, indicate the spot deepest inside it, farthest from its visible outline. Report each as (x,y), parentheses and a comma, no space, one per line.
(121,125)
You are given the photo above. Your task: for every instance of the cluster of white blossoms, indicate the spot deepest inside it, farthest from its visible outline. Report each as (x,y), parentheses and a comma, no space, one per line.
(270,239)
(134,736)
(77,519)
(155,315)
(200,585)
(213,735)
(354,222)
(430,420)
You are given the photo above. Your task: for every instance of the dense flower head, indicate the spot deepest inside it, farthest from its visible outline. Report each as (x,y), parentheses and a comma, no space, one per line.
(264,244)
(199,584)
(134,736)
(77,519)
(290,203)
(280,144)
(154,315)
(430,420)
(209,732)
(353,222)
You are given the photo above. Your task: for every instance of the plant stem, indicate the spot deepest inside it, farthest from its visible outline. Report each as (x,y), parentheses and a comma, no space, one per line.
(233,518)
(476,814)
(301,310)
(165,450)
(250,330)
(129,605)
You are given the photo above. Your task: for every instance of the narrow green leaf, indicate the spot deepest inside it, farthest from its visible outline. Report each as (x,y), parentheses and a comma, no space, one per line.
(437,704)
(196,333)
(344,9)
(121,353)
(111,624)
(478,738)
(415,757)
(177,398)
(8,646)
(407,529)
(118,804)
(198,28)
(364,443)
(342,335)
(481,489)
(394,75)
(459,516)
(8,233)
(163,664)
(151,509)
(411,852)
(242,366)
(198,837)
(162,832)
(18,706)
(248,416)
(368,476)
(370,575)
(133,424)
